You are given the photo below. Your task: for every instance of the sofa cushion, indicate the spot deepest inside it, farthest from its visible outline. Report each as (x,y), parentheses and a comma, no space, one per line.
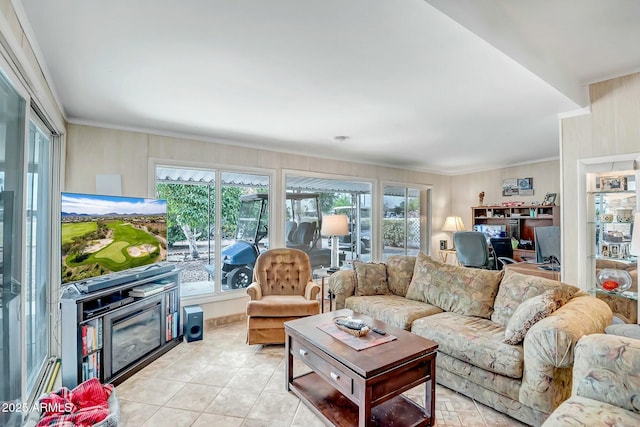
(283,306)
(399,273)
(582,411)
(392,309)
(473,340)
(462,290)
(371,278)
(516,287)
(528,314)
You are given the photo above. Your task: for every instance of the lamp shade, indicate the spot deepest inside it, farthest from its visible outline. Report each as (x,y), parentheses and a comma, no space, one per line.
(453,223)
(334,225)
(635,236)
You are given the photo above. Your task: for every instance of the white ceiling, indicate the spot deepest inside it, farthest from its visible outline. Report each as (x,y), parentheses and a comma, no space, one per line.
(434,85)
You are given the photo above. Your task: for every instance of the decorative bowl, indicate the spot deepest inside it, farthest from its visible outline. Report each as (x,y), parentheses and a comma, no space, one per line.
(611,280)
(355,327)
(607,217)
(624,215)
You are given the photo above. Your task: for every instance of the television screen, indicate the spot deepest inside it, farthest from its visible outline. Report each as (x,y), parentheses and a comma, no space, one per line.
(105,234)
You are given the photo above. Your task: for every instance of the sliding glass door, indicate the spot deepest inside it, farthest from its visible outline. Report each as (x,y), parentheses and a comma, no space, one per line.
(38,252)
(12,142)
(404,225)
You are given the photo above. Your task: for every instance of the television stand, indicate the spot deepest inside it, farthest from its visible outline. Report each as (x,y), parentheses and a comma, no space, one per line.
(114,331)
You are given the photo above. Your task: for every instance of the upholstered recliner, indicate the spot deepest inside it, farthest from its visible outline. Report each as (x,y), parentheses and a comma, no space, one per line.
(282,290)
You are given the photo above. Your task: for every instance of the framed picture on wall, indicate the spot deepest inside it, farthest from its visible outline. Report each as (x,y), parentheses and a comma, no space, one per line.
(613,183)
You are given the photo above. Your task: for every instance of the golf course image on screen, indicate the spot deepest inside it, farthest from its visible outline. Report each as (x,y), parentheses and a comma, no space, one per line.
(106,234)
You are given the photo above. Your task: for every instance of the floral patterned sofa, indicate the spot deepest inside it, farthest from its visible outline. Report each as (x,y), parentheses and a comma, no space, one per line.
(505,339)
(606,385)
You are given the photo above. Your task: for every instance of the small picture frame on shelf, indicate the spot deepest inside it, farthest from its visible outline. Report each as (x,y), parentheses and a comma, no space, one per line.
(614,251)
(549,199)
(613,183)
(605,251)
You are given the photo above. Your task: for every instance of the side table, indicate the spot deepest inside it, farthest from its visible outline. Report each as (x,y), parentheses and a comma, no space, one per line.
(444,254)
(323,273)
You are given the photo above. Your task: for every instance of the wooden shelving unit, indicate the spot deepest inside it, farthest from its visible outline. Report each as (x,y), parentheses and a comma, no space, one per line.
(518,221)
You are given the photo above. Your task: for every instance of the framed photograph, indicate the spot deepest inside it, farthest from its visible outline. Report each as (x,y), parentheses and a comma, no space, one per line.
(549,199)
(510,187)
(613,183)
(614,251)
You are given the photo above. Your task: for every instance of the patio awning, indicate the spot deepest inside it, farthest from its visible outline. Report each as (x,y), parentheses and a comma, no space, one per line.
(300,183)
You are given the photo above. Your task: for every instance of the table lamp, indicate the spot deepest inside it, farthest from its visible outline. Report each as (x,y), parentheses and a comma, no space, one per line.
(334,226)
(453,224)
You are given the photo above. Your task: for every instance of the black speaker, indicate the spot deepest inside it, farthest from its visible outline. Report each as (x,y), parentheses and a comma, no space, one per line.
(192,318)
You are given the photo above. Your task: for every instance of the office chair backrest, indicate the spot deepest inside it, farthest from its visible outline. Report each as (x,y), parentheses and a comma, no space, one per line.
(472,249)
(502,248)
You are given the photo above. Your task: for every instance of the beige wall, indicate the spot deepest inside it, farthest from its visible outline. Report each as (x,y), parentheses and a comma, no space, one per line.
(465,188)
(612,129)
(27,67)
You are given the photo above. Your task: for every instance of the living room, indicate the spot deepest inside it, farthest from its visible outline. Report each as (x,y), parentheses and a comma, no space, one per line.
(603,132)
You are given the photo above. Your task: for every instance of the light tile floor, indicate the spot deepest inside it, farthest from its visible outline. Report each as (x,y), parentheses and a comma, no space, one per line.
(223,382)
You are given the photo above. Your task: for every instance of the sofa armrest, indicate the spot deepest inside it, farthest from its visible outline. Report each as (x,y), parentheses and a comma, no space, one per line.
(549,350)
(254,291)
(311,291)
(607,369)
(342,284)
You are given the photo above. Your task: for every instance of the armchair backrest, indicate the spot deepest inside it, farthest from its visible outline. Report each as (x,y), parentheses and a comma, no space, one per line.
(282,271)
(472,249)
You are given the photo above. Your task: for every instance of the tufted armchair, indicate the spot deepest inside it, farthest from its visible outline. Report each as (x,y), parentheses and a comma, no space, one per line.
(282,290)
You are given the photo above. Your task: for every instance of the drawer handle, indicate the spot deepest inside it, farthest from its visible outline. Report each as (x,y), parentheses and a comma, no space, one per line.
(303,352)
(335,376)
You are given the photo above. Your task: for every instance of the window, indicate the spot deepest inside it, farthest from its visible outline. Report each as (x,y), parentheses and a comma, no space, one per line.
(197,230)
(308,199)
(404,226)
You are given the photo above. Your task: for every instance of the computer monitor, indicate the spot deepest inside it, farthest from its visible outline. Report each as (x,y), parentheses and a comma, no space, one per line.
(499,230)
(547,244)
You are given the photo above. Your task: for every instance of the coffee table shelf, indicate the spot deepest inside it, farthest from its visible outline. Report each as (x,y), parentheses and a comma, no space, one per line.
(333,407)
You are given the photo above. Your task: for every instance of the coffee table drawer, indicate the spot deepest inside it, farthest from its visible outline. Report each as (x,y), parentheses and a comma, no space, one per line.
(336,377)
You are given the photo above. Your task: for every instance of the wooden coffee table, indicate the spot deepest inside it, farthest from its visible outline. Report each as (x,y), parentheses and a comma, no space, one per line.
(348,387)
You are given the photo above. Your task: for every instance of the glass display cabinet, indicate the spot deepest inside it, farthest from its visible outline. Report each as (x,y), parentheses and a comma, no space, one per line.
(612,201)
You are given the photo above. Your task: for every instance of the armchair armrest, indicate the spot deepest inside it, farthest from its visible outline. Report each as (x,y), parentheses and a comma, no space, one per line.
(311,291)
(342,284)
(254,291)
(607,369)
(549,350)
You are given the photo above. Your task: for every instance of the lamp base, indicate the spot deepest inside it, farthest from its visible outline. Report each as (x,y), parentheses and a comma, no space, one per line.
(335,259)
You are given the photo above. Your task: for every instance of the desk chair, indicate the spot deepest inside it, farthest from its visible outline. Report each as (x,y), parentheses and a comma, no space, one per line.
(472,250)
(502,251)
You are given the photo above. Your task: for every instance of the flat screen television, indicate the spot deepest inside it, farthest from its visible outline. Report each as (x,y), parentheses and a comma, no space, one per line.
(106,234)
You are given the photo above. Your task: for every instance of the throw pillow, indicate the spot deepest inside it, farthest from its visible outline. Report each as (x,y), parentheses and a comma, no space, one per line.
(399,273)
(371,279)
(516,287)
(466,291)
(528,314)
